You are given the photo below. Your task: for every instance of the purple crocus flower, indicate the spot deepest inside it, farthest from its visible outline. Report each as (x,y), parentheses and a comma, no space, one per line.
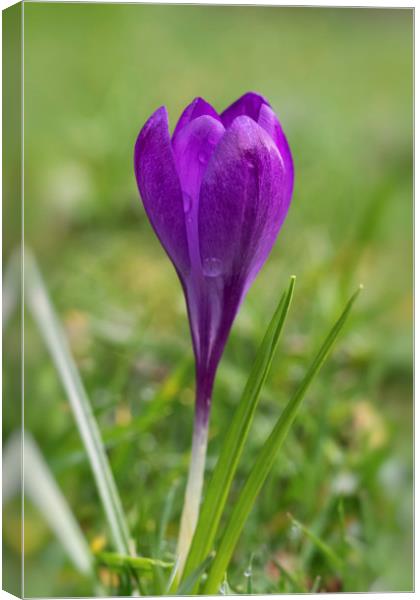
(216,194)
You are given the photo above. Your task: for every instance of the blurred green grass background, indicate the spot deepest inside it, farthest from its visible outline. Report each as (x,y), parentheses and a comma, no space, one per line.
(341,83)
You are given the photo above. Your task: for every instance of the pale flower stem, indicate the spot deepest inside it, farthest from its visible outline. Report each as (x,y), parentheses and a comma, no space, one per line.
(193,492)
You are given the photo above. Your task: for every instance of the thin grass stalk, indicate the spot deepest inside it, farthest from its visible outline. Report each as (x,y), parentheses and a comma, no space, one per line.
(38,301)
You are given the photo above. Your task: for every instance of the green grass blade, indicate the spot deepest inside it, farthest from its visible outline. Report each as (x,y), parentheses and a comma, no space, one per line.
(225,589)
(219,486)
(316,585)
(324,548)
(165,518)
(249,577)
(43,490)
(43,313)
(265,460)
(114,560)
(193,579)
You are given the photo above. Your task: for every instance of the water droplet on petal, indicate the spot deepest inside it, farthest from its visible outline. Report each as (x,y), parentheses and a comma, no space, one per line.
(212,267)
(212,139)
(202,157)
(251,165)
(187,200)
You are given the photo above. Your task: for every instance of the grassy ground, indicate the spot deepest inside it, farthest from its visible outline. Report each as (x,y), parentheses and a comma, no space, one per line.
(340,81)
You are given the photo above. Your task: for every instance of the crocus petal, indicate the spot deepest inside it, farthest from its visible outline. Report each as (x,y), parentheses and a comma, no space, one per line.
(160,189)
(193,148)
(197,108)
(249,104)
(269,121)
(243,202)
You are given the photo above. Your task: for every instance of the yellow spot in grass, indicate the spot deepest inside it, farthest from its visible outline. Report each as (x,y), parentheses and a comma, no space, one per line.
(108,578)
(123,415)
(369,425)
(98,543)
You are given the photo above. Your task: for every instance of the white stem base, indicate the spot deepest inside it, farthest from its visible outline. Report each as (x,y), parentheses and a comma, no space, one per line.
(192,500)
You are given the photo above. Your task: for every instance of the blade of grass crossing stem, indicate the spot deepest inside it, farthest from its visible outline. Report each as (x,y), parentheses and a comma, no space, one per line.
(218,489)
(42,310)
(265,460)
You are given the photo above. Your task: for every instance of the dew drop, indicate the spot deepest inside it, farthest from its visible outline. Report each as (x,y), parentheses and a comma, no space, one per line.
(212,139)
(212,267)
(295,532)
(187,200)
(202,158)
(251,165)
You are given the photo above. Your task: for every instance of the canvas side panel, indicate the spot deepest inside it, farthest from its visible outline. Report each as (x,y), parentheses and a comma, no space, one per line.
(12,304)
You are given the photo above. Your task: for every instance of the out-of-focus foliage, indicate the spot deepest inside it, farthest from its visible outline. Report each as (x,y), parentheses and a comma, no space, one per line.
(341,83)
